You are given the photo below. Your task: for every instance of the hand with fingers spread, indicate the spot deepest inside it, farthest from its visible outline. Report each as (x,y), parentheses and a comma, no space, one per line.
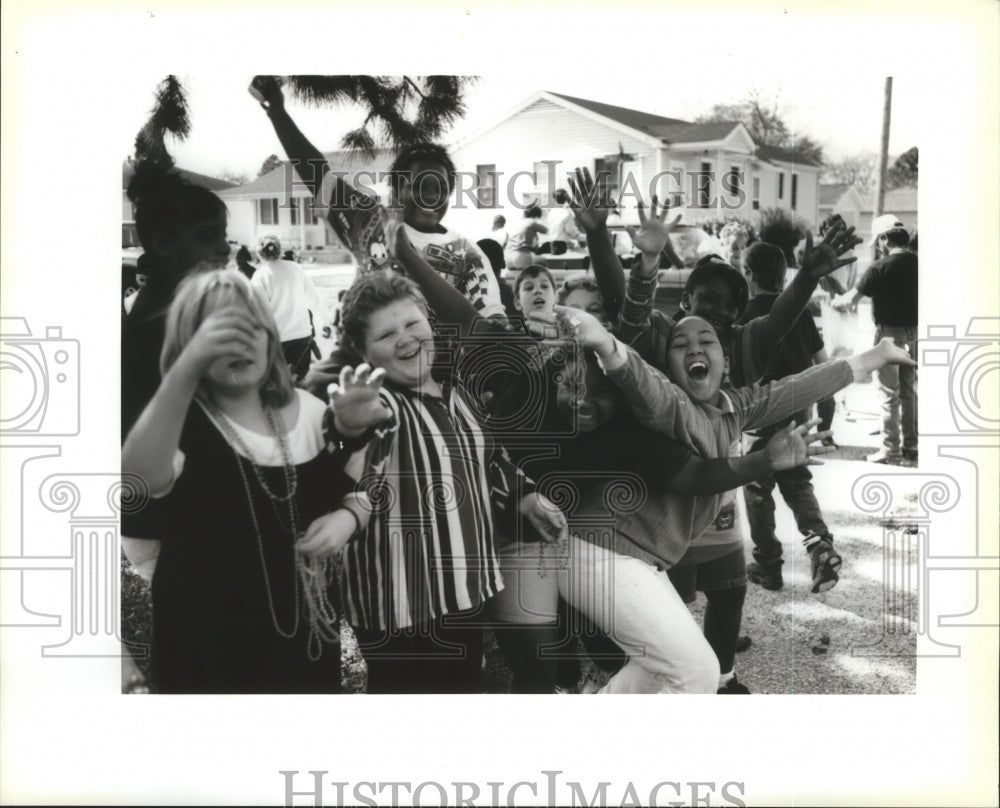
(566,323)
(355,400)
(824,258)
(328,535)
(591,203)
(653,235)
(547,520)
(229,333)
(886,352)
(791,446)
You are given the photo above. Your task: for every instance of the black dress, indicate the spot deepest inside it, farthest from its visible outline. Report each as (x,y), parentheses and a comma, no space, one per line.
(220,592)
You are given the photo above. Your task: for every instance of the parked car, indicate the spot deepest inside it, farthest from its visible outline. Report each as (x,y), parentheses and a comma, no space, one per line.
(131,249)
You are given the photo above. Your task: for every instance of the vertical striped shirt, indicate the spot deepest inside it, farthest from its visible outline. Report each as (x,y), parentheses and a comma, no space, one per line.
(437,484)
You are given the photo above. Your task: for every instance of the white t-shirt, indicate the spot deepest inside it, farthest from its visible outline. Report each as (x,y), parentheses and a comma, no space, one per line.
(461,263)
(562,225)
(291,296)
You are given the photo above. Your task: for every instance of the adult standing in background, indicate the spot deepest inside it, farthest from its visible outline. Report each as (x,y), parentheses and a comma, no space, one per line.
(891,282)
(522,242)
(291,296)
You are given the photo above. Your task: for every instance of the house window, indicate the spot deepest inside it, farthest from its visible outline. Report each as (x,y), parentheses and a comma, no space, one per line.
(486,185)
(781,185)
(293,209)
(311,214)
(703,186)
(267,211)
(545,179)
(756,193)
(795,190)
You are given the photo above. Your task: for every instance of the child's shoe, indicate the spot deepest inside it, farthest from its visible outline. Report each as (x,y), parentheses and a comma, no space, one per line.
(766,575)
(733,688)
(826,562)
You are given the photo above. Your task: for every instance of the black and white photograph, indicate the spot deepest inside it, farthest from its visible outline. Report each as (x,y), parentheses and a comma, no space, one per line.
(439,389)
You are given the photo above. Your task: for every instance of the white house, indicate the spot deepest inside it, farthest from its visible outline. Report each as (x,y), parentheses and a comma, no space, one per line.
(859,209)
(278,203)
(527,154)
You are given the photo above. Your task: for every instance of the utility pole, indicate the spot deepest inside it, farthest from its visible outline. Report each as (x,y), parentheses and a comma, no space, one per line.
(883,154)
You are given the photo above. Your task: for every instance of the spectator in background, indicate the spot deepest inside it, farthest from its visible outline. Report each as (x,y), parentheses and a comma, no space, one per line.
(243,262)
(291,296)
(522,243)
(891,282)
(561,222)
(800,348)
(499,231)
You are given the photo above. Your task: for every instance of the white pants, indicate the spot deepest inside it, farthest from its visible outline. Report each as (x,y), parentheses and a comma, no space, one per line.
(635,604)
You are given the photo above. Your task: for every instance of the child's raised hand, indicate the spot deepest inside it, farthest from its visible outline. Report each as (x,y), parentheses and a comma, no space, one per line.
(267,89)
(355,400)
(824,258)
(328,535)
(654,231)
(791,446)
(544,517)
(591,204)
(229,333)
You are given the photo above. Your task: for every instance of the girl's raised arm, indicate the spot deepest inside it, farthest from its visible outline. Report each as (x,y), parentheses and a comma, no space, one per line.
(152,443)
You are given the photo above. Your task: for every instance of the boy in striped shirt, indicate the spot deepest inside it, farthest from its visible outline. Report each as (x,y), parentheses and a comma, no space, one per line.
(424,559)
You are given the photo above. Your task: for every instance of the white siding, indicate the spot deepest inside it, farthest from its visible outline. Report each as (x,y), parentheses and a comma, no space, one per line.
(543,131)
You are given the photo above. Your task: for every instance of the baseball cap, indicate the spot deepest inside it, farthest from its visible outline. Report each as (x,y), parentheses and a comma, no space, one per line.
(882,225)
(714,266)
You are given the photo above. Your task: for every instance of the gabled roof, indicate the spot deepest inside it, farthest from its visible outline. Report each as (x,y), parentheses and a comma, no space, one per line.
(274,182)
(898,199)
(772,153)
(672,130)
(212,183)
(830,192)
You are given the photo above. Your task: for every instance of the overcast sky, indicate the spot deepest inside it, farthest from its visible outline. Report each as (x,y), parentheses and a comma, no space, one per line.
(231,133)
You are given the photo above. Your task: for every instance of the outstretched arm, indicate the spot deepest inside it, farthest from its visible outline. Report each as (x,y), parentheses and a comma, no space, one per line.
(786,449)
(448,304)
(591,206)
(817,263)
(308,161)
(152,443)
(655,401)
(766,404)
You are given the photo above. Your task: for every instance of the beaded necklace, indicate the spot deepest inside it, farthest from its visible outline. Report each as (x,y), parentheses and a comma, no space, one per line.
(313,576)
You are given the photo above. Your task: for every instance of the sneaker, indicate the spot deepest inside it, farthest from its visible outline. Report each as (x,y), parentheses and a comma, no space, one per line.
(826,563)
(767,576)
(733,688)
(885,458)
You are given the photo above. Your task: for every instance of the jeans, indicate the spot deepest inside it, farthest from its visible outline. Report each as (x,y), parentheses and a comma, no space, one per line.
(796,489)
(899,390)
(635,604)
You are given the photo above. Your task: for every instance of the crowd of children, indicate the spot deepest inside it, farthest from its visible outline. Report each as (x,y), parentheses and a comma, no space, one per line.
(560,466)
